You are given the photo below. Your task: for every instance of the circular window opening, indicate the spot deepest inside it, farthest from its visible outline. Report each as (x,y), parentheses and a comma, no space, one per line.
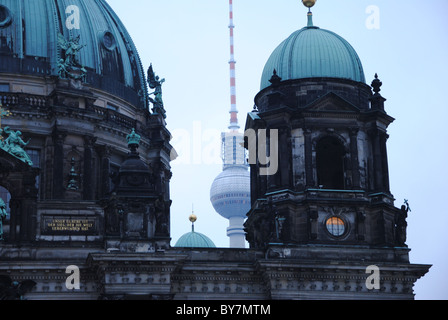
(5,16)
(336,226)
(109,41)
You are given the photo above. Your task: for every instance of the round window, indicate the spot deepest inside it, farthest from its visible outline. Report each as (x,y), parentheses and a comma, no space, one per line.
(5,16)
(109,40)
(336,226)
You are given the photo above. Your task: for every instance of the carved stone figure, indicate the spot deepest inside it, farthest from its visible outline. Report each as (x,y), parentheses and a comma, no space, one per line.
(70,66)
(262,230)
(73,183)
(279,226)
(401,224)
(14,145)
(155,83)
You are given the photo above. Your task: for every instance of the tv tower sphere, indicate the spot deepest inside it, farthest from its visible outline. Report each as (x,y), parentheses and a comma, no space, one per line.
(230,193)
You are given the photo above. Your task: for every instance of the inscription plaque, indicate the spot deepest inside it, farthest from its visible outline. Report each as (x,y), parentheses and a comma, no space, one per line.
(59,225)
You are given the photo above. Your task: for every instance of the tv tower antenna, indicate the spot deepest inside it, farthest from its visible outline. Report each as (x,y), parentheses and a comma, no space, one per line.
(233,110)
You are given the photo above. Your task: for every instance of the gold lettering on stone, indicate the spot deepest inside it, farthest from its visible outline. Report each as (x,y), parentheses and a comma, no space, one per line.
(72,226)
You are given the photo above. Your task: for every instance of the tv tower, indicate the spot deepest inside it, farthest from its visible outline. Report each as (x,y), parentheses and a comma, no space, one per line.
(230,192)
(233,110)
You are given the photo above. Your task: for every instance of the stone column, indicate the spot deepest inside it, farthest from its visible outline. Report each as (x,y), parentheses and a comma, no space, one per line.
(354,157)
(14,206)
(58,164)
(105,171)
(384,161)
(88,168)
(285,158)
(308,158)
(380,163)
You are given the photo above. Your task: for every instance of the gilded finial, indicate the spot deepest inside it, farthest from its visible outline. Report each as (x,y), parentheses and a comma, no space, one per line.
(193,218)
(309,3)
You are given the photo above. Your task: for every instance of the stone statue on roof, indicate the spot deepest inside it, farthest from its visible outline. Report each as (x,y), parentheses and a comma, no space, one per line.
(155,83)
(69,67)
(401,224)
(14,145)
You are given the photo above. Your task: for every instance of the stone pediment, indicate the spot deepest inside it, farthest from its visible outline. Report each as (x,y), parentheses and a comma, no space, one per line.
(332,103)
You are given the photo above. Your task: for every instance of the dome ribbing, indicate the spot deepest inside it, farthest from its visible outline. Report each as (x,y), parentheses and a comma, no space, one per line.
(312,52)
(194,240)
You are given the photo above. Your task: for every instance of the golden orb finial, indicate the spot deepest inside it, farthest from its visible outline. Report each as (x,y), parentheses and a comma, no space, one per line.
(193,218)
(309,3)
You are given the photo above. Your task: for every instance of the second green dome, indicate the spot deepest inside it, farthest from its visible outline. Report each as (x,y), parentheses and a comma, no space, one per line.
(194,240)
(312,52)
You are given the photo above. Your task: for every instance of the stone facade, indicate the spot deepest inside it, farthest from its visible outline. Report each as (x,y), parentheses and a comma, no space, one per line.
(96,203)
(114,225)
(216,274)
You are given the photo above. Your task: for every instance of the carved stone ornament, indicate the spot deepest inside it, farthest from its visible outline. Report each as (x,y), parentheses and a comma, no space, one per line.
(69,66)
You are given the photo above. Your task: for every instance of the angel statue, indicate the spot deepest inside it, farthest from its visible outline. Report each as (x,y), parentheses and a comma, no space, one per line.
(155,83)
(14,145)
(70,66)
(401,224)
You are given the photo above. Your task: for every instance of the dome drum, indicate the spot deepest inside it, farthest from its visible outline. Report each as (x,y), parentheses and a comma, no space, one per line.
(299,93)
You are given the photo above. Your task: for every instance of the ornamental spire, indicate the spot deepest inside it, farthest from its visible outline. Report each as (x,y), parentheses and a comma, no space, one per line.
(193,218)
(309,4)
(133,142)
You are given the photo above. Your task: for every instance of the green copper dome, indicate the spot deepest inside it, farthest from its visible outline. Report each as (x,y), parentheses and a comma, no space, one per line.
(194,240)
(312,52)
(30,43)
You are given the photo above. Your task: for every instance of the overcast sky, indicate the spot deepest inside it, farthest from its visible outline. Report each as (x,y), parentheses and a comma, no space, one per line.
(406,44)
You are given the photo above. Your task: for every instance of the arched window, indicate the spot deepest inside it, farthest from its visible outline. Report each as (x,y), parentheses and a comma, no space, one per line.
(330,163)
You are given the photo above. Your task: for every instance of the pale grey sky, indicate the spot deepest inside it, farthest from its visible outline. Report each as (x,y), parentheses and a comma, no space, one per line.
(188,44)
